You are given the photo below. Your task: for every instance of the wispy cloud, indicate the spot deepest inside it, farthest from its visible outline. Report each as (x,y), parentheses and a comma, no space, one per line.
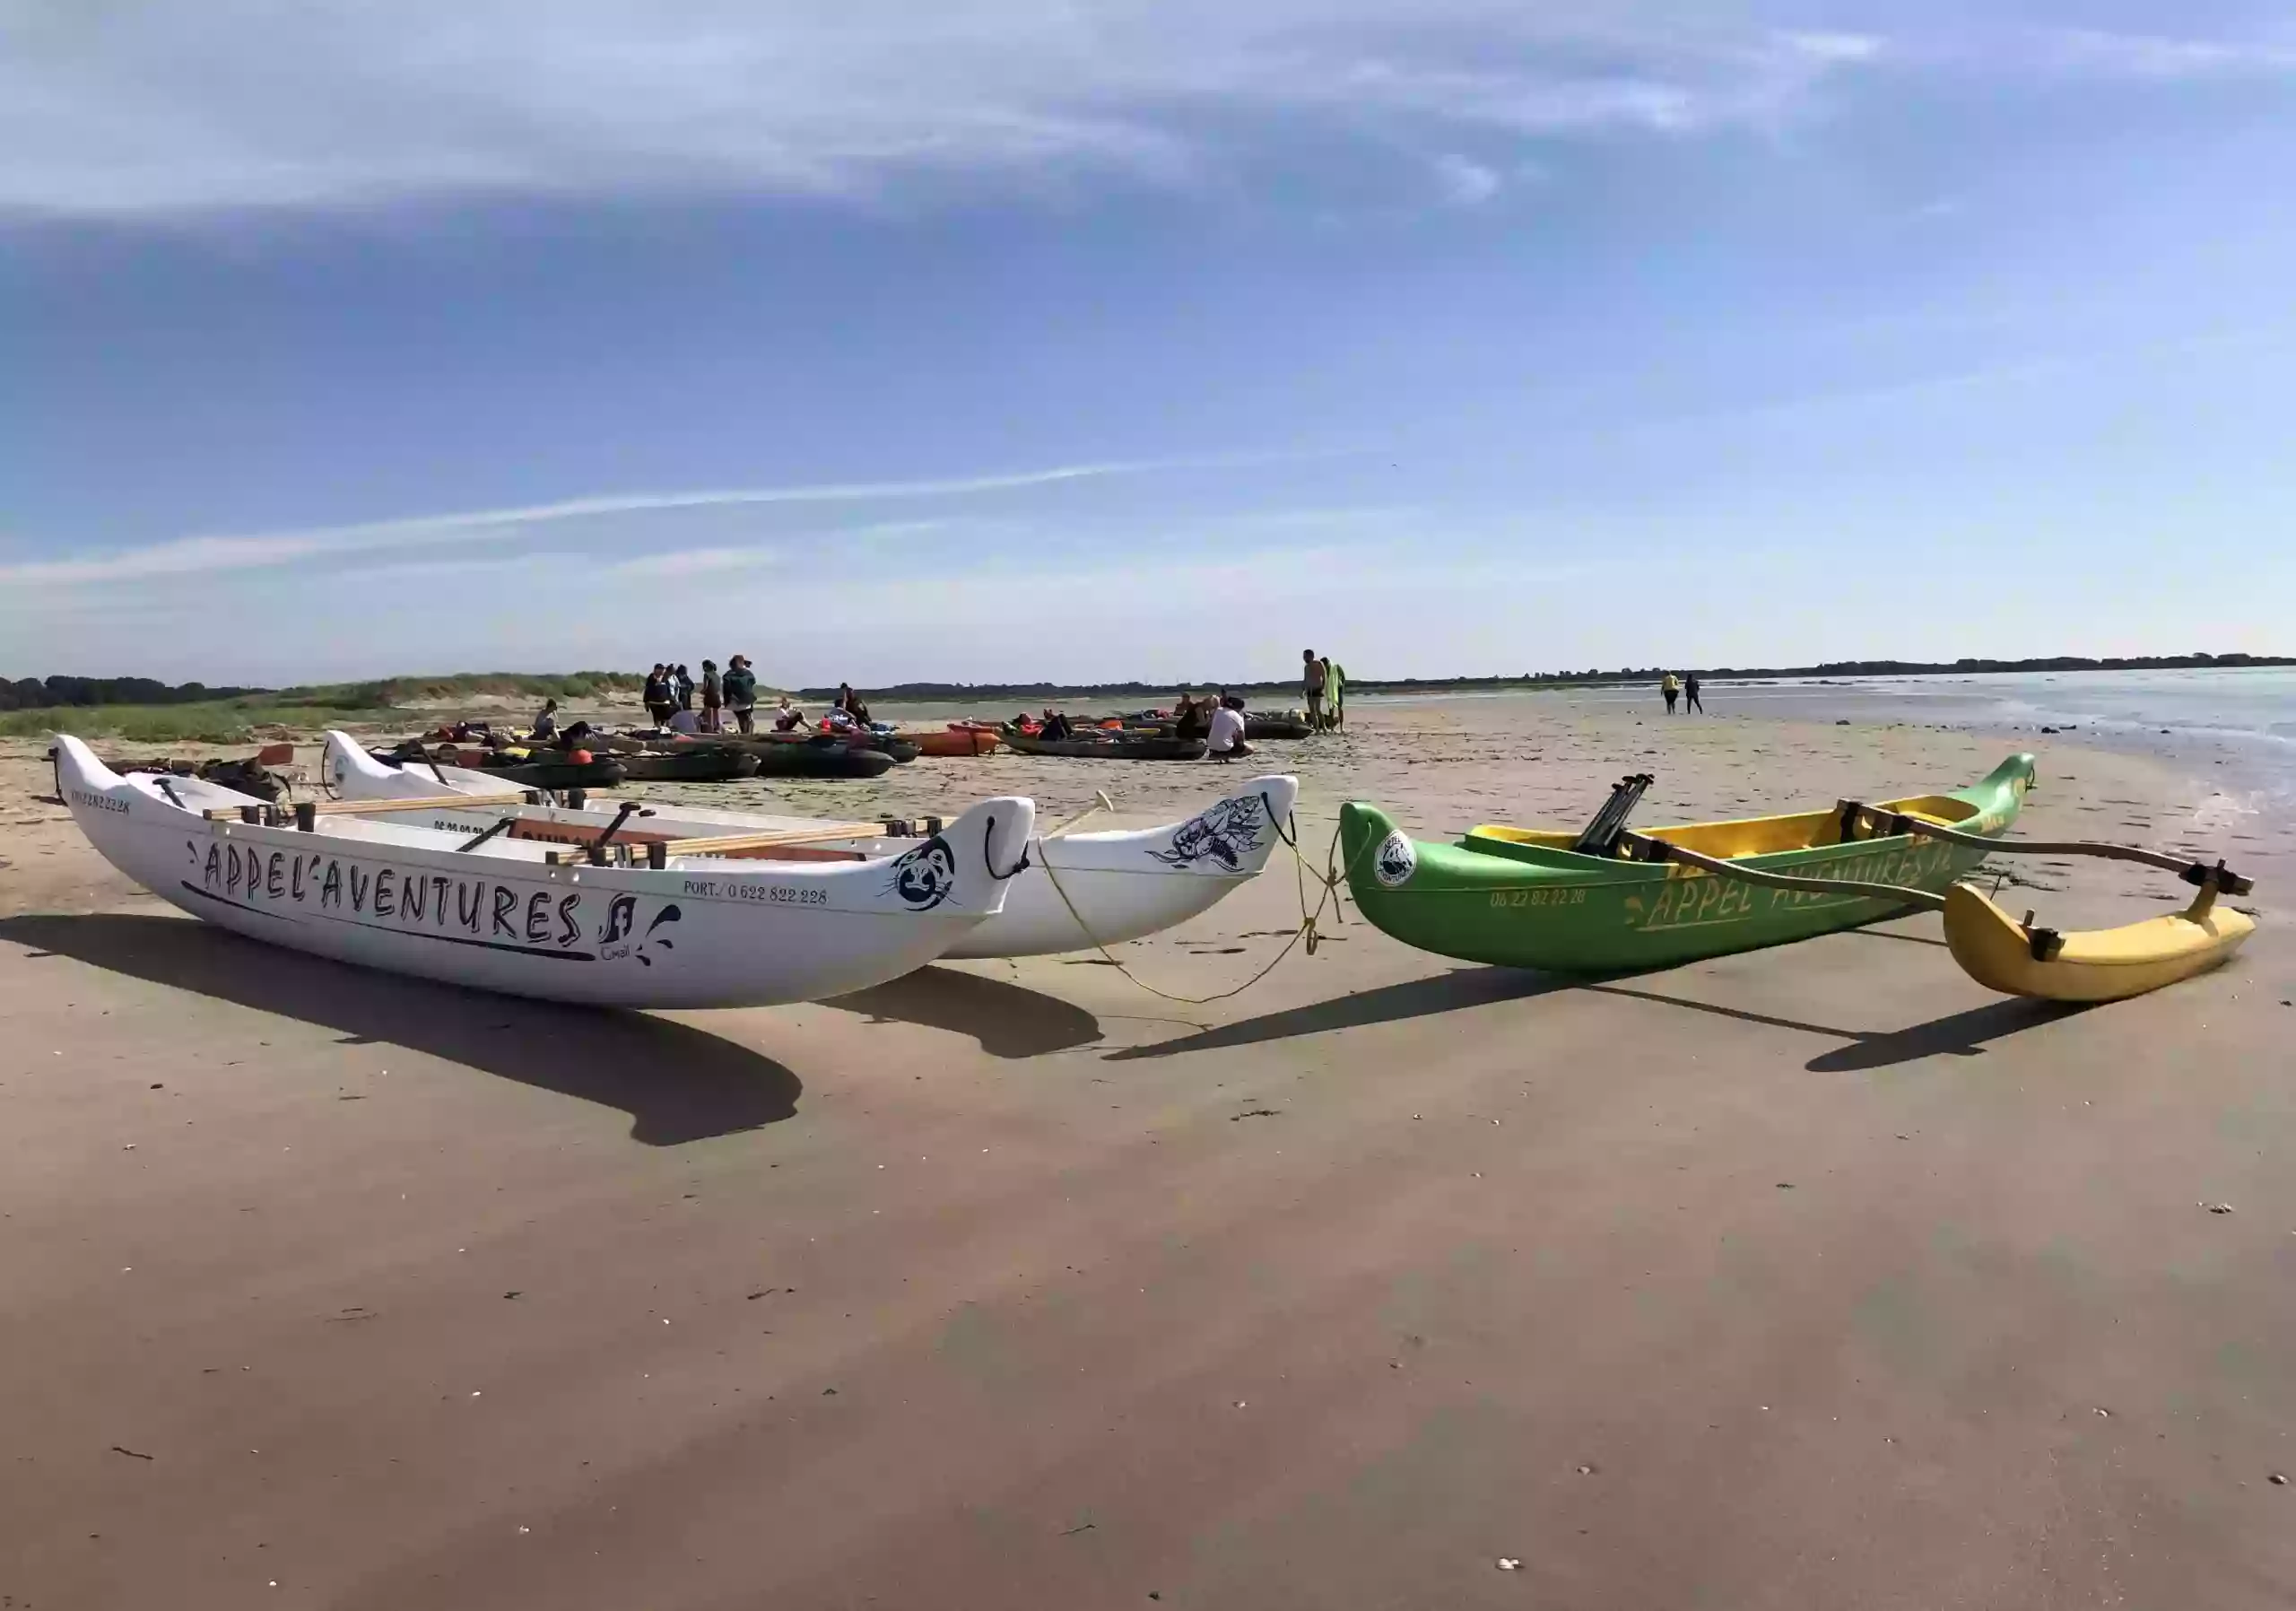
(532,563)
(1463,181)
(197,554)
(2165,56)
(677,564)
(169,110)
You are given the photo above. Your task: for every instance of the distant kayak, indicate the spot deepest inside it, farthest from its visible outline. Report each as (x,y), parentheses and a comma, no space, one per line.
(819,758)
(543,769)
(1109,749)
(716,764)
(957,738)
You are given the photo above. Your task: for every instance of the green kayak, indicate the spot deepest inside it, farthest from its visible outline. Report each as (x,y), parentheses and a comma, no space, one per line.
(1527,898)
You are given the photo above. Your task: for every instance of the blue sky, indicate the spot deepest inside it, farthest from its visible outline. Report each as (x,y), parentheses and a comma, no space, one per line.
(1008,338)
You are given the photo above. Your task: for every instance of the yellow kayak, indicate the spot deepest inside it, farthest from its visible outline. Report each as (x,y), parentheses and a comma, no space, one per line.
(2108,964)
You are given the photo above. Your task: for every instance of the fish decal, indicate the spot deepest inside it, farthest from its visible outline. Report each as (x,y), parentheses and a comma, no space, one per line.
(1225,834)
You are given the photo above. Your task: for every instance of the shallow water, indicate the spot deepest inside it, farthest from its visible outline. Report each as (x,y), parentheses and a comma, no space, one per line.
(2237,725)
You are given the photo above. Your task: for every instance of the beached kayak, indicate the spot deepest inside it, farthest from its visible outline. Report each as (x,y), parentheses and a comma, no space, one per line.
(547,769)
(957,738)
(495,912)
(819,757)
(1111,748)
(716,763)
(1526,899)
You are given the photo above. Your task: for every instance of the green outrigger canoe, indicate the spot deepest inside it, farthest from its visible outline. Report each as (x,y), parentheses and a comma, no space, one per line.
(1526,897)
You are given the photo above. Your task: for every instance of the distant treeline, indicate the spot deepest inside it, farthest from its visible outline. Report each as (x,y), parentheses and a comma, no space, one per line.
(49,693)
(921,692)
(42,693)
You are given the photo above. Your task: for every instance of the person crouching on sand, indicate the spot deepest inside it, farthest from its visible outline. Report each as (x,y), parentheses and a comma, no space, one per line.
(1227,735)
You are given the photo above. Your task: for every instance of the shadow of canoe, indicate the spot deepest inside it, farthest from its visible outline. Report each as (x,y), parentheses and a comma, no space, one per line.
(1008,1020)
(677,1084)
(1451,992)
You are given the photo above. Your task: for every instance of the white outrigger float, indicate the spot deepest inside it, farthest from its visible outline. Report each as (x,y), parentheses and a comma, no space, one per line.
(1079,890)
(485,909)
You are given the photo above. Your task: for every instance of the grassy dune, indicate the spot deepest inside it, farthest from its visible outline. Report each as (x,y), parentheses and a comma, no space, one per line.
(222,721)
(232,720)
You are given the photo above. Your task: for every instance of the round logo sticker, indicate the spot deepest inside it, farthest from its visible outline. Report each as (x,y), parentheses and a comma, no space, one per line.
(1398,861)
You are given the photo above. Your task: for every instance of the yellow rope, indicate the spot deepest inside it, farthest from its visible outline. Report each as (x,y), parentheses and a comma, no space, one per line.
(1329,878)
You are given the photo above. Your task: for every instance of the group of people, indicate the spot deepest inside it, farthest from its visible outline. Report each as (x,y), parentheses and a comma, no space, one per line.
(671,695)
(1684,688)
(671,692)
(1218,720)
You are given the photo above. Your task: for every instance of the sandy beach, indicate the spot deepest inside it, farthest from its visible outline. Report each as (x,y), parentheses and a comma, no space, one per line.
(1816,1277)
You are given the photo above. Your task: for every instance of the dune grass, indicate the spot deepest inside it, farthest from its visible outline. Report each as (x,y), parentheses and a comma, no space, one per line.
(389,692)
(333,704)
(222,721)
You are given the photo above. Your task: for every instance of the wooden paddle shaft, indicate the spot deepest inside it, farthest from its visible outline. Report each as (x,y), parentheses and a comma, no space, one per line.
(726,843)
(1898,821)
(384,808)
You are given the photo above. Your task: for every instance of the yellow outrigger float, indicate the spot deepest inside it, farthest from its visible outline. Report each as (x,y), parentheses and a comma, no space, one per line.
(2025,959)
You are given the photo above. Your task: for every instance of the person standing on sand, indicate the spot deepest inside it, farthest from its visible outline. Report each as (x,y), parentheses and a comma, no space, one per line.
(1690,695)
(1335,694)
(658,701)
(1672,688)
(740,689)
(713,697)
(1311,678)
(682,685)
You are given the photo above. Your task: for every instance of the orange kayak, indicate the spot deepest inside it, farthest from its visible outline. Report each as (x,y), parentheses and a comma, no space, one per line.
(957,738)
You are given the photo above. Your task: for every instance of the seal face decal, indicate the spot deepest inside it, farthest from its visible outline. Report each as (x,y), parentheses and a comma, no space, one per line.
(1225,834)
(924,877)
(1398,861)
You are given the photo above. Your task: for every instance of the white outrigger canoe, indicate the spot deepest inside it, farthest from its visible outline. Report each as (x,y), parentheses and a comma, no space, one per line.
(1080,890)
(700,931)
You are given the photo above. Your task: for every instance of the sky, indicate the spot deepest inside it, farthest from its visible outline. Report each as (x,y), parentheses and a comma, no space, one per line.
(1014,339)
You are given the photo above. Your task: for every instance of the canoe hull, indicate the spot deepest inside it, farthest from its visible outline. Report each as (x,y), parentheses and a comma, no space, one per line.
(1572,914)
(700,935)
(1121,885)
(2105,965)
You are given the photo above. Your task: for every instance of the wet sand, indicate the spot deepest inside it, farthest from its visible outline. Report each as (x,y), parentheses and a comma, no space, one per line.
(1806,1277)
